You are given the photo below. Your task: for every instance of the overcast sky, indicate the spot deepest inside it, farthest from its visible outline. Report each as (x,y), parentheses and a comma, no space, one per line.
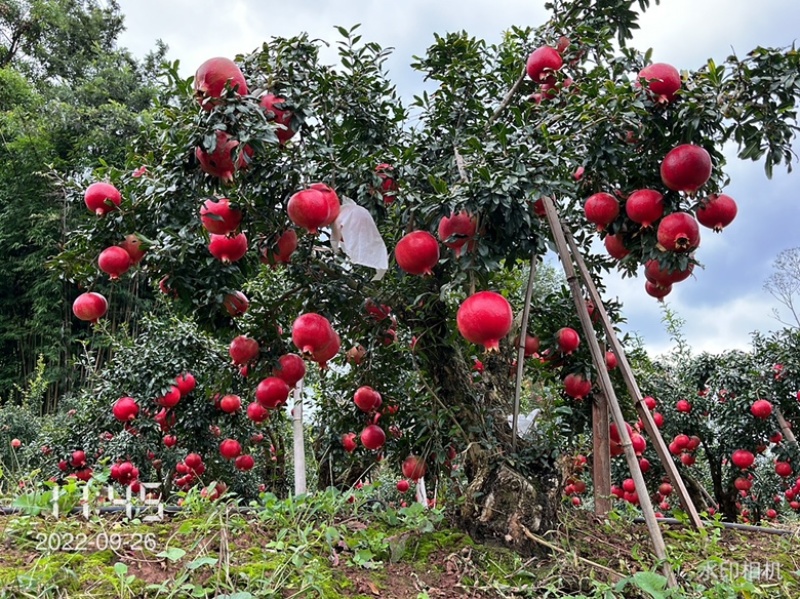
(725,301)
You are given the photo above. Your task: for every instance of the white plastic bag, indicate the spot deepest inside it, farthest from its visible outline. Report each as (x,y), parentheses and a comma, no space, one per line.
(356,233)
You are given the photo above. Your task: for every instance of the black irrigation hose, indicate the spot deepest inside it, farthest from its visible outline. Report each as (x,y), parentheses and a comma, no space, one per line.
(732,525)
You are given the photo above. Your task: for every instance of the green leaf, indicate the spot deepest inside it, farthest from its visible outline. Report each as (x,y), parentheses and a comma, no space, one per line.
(173,554)
(201,561)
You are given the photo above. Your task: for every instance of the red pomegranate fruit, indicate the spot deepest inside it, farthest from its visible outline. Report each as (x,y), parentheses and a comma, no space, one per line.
(291,368)
(186,383)
(678,232)
(686,168)
(170,399)
(133,245)
(403,486)
(456,230)
(213,75)
(484,318)
(256,412)
(657,275)
(645,206)
(611,360)
(102,198)
(334,204)
(230,404)
(650,402)
(220,217)
(367,399)
(272,392)
(125,409)
(742,459)
(541,64)
(311,333)
(244,463)
(761,409)
(717,212)
(615,246)
(114,261)
(414,467)
(90,306)
(276,111)
(531,345)
(783,469)
(218,162)
(373,437)
(567,340)
(576,386)
(349,442)
(236,303)
(230,449)
(663,80)
(324,354)
(683,406)
(385,173)
(281,251)
(657,291)
(309,209)
(601,209)
(243,349)
(417,253)
(228,249)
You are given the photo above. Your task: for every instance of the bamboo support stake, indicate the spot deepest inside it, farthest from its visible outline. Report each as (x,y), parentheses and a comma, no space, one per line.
(605,384)
(299,444)
(601,455)
(633,388)
(523,331)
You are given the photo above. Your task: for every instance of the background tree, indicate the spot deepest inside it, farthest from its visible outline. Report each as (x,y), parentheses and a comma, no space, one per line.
(784,285)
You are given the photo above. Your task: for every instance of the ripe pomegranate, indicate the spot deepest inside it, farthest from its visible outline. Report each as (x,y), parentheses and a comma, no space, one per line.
(243,349)
(170,399)
(657,291)
(783,469)
(312,208)
(114,261)
(90,306)
(601,209)
(218,162)
(567,340)
(228,249)
(125,409)
(311,333)
(349,442)
(772,514)
(281,251)
(356,354)
(230,404)
(272,392)
(615,246)
(186,383)
(78,458)
(663,80)
(484,318)
(417,253)
(576,386)
(403,486)
(761,408)
(688,459)
(650,402)
(742,459)
(664,277)
(611,360)
(665,489)
(414,467)
(456,230)
(645,206)
(531,345)
(133,245)
(717,212)
(385,173)
(256,412)
(742,484)
(367,399)
(678,232)
(686,168)
(776,437)
(324,354)
(102,198)
(277,113)
(244,463)
(373,437)
(220,217)
(542,62)
(236,303)
(683,406)
(230,449)
(213,75)
(639,443)
(291,368)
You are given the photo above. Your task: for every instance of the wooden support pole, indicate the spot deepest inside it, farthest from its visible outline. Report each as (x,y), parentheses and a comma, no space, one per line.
(523,332)
(601,455)
(633,388)
(787,432)
(598,358)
